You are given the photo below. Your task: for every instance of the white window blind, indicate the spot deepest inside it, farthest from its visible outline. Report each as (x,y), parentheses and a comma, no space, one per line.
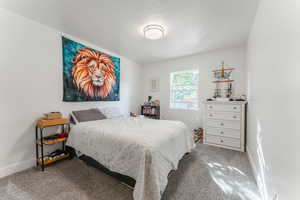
(184,90)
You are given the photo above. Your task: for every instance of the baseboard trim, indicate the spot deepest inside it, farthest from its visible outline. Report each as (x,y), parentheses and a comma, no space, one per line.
(16,167)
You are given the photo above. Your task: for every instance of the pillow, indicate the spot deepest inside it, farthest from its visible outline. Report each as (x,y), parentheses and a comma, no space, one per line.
(88,115)
(73,119)
(111,112)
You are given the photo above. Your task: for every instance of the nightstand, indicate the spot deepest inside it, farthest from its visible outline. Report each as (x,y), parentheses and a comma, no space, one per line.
(150,111)
(44,160)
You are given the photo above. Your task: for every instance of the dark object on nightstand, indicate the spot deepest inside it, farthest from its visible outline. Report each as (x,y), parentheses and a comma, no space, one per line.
(240,99)
(133,114)
(151,111)
(44,160)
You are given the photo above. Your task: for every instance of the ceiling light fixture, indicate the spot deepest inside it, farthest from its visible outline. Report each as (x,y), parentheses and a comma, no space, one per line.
(154,32)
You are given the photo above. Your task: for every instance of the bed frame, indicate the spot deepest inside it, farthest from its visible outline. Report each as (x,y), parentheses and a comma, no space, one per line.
(130,182)
(126,180)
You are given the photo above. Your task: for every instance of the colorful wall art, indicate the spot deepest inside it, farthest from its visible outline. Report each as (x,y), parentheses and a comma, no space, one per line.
(88,74)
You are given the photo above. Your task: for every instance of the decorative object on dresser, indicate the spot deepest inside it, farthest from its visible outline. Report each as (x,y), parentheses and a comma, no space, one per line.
(223,81)
(41,140)
(225,124)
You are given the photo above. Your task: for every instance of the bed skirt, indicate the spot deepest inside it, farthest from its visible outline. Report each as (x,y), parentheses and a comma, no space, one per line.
(120,177)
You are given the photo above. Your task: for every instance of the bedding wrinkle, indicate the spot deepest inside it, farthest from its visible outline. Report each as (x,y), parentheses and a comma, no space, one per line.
(144,149)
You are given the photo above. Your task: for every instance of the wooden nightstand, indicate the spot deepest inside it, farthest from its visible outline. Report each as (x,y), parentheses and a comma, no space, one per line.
(44,160)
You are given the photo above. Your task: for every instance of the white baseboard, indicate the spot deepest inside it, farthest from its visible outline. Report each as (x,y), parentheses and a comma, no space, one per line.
(16,167)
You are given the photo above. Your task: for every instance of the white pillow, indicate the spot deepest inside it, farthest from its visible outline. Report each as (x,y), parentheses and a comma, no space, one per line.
(111,112)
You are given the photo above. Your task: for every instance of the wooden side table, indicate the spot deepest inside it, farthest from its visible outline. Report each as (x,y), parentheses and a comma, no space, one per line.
(40,140)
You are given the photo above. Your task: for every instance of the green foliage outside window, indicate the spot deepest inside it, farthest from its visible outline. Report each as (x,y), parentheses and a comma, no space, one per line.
(184,90)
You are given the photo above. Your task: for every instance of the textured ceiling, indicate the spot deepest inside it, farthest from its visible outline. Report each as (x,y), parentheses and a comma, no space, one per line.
(192,26)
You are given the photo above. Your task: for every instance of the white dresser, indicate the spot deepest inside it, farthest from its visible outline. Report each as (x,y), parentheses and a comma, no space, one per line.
(225,124)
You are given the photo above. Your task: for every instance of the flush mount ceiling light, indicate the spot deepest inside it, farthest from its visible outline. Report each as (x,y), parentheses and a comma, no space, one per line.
(154,31)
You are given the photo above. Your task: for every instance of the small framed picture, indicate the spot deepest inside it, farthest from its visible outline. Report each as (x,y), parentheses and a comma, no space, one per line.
(154,85)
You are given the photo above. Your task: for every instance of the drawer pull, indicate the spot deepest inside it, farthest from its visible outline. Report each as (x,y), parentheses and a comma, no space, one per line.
(221,132)
(234,108)
(221,141)
(234,117)
(222,124)
(210,115)
(210,107)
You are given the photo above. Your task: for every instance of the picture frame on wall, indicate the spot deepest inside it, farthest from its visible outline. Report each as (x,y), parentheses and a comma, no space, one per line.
(154,85)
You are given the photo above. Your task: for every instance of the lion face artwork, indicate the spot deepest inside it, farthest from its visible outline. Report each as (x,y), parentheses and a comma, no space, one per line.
(93,73)
(89,75)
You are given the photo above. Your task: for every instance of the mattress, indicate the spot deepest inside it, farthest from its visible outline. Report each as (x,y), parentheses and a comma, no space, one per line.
(144,149)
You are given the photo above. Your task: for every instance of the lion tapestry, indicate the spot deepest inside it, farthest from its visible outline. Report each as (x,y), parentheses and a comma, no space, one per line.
(89,75)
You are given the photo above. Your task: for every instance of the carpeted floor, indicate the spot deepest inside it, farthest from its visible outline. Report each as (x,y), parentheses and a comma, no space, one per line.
(208,173)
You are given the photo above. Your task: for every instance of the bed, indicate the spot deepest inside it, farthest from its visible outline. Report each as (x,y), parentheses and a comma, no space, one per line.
(144,149)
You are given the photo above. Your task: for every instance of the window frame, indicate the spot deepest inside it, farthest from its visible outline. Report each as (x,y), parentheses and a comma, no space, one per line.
(171,99)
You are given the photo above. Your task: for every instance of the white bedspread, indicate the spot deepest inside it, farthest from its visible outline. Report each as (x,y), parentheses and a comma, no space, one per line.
(144,149)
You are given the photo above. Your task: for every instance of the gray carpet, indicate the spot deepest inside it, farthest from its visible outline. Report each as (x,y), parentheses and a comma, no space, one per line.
(208,173)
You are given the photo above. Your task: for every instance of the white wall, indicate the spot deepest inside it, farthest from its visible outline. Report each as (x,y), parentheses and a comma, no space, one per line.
(274,92)
(205,63)
(31,84)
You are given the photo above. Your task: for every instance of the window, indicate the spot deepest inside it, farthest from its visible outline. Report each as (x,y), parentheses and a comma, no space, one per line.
(184,90)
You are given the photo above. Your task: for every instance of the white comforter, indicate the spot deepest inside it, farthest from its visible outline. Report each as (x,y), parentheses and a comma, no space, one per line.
(144,149)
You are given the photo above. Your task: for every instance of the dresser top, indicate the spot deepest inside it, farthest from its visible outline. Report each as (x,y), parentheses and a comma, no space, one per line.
(226,102)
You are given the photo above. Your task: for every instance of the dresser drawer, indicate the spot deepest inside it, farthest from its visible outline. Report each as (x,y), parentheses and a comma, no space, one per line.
(223,124)
(224,132)
(231,142)
(226,108)
(226,116)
